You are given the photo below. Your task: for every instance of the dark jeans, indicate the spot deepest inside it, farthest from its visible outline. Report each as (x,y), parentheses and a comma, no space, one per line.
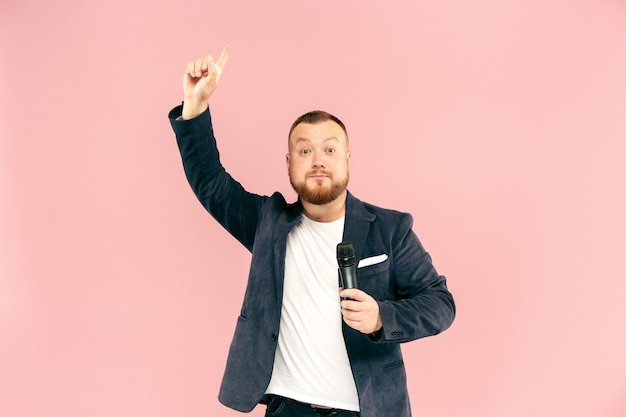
(285,407)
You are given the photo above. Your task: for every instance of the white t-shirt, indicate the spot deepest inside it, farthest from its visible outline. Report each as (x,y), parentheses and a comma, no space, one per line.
(311,362)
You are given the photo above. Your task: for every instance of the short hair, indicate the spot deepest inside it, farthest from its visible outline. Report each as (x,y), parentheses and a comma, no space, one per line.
(315,117)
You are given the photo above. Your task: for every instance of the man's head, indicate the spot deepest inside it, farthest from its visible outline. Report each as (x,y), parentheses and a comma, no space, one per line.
(318,158)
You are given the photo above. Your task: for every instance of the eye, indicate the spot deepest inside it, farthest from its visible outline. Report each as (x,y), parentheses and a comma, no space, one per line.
(331,150)
(305,151)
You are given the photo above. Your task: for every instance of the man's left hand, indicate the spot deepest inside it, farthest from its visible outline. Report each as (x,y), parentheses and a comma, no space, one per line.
(360,311)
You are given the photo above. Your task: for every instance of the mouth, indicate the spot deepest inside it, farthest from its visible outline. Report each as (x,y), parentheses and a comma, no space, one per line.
(318,176)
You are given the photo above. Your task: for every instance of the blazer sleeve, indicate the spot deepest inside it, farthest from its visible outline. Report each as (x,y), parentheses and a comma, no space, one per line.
(422,305)
(236,209)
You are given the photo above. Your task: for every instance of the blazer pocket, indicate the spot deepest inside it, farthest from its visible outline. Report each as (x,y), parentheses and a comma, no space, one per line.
(373,265)
(393,365)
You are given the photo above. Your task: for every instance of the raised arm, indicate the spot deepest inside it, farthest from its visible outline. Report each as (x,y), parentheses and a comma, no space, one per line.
(228,202)
(200,81)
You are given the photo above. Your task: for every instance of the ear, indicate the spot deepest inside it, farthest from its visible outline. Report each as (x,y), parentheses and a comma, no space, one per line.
(287,161)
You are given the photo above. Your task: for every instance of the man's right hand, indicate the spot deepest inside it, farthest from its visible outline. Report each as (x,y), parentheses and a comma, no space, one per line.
(200,81)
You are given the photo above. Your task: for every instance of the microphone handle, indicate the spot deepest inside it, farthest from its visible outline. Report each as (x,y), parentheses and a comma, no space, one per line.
(348,276)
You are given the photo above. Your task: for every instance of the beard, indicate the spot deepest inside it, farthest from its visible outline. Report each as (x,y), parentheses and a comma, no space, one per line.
(318,193)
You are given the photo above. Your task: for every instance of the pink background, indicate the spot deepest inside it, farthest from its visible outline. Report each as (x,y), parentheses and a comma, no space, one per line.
(499,124)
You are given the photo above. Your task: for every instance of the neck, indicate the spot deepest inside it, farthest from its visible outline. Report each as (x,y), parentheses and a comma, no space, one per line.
(328,212)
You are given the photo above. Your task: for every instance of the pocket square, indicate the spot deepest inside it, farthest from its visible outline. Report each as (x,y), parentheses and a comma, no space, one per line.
(372,260)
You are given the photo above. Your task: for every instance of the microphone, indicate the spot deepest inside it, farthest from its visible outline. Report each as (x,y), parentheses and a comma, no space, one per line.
(347,264)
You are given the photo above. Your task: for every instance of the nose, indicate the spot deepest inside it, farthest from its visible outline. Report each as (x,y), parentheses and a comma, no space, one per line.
(318,160)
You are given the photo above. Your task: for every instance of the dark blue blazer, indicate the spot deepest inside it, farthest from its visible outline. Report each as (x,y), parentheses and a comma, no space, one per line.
(413,298)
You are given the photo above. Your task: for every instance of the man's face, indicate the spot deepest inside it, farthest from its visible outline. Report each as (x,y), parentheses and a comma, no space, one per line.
(318,161)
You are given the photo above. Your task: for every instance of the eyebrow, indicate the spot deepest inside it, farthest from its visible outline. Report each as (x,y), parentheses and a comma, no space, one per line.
(298,140)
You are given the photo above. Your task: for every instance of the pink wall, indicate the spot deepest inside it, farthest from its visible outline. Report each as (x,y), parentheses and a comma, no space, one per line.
(500,125)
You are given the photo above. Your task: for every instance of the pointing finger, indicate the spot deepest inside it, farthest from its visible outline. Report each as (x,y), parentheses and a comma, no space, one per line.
(223,59)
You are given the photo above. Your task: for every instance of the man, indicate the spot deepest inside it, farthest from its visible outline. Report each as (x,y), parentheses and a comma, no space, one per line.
(302,345)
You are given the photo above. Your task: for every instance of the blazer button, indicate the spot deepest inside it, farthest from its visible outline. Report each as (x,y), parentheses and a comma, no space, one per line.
(274,337)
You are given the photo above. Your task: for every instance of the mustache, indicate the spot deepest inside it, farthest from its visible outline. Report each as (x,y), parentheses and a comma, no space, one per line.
(319,172)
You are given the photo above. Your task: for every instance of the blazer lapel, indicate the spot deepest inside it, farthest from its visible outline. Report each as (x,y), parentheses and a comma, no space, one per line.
(357,224)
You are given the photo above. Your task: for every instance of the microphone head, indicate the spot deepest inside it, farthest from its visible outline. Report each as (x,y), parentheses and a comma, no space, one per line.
(345,254)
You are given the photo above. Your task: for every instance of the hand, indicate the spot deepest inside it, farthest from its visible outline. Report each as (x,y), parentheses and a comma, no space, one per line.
(200,81)
(361,311)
